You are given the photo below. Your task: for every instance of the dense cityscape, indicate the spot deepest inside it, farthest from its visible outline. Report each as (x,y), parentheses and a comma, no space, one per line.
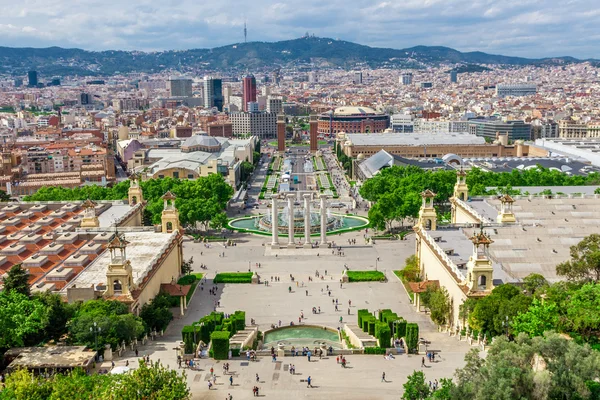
(399,228)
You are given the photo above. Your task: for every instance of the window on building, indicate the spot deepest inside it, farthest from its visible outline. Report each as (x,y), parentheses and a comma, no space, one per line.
(190,176)
(176,175)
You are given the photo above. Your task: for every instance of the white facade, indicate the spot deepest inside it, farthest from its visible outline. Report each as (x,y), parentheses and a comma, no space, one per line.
(274,105)
(503,90)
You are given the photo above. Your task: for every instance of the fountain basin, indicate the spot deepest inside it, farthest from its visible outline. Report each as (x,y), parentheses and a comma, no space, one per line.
(299,336)
(336,223)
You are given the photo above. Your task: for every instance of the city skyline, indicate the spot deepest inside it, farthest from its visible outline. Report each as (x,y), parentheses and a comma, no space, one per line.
(525,29)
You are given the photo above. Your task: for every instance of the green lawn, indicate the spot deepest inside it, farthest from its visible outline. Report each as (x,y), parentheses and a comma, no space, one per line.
(233,277)
(365,276)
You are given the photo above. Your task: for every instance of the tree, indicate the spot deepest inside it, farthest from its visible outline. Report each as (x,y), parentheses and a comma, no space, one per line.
(493,314)
(415,387)
(534,282)
(218,221)
(444,391)
(541,317)
(151,382)
(17,280)
(584,309)
(20,317)
(438,303)
(585,261)
(548,367)
(186,266)
(411,271)
(156,314)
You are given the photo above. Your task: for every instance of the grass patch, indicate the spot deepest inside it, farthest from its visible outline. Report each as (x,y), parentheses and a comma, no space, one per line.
(233,277)
(404,282)
(347,340)
(365,276)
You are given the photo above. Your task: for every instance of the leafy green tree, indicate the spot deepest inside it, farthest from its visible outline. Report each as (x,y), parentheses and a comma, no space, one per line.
(59,313)
(583,309)
(17,280)
(415,387)
(492,314)
(585,261)
(548,367)
(20,317)
(218,221)
(156,314)
(411,271)
(438,302)
(534,282)
(444,391)
(22,385)
(150,382)
(539,318)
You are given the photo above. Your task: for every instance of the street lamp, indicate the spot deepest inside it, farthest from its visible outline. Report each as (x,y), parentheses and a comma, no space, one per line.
(95,330)
(249,264)
(375,264)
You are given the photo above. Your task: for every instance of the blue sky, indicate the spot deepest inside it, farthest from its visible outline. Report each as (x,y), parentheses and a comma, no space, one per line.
(528,28)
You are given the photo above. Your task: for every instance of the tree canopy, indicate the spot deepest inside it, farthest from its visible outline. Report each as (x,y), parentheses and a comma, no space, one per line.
(585,260)
(17,280)
(148,382)
(200,200)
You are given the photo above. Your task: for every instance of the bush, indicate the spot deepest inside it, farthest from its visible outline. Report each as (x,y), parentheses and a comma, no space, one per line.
(412,336)
(383,314)
(235,352)
(240,320)
(375,350)
(365,276)
(383,334)
(189,279)
(366,320)
(220,345)
(233,277)
(372,323)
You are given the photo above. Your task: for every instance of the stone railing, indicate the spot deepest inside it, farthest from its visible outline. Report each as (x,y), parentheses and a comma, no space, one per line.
(442,256)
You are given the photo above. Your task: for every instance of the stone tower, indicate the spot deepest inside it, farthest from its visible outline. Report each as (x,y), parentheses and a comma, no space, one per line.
(427,213)
(461,191)
(506,214)
(89,220)
(119,276)
(135,190)
(479,267)
(170,215)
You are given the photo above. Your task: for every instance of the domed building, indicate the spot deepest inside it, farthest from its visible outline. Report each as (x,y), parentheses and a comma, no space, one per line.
(352,120)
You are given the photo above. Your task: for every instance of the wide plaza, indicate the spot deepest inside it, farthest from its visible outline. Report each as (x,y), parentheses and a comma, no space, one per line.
(270,304)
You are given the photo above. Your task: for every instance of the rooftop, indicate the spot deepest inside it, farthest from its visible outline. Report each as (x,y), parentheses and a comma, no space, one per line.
(50,357)
(413,139)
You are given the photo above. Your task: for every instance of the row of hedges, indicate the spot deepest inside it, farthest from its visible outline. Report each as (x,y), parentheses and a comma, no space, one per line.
(209,324)
(383,328)
(233,277)
(220,345)
(365,276)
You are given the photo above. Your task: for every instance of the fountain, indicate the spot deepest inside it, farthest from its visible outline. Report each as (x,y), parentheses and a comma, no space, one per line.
(296,221)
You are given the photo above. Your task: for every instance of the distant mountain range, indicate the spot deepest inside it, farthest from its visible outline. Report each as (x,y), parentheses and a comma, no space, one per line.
(303,52)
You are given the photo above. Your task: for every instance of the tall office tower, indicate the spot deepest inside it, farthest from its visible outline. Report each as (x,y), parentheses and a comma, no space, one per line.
(281,132)
(33,78)
(358,78)
(249,91)
(180,87)
(406,78)
(85,99)
(213,93)
(453,76)
(314,128)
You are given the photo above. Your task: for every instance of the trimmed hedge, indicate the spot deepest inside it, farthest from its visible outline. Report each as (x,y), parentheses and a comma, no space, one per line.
(401,328)
(372,323)
(239,318)
(383,334)
(374,350)
(365,276)
(233,277)
(412,336)
(362,313)
(220,345)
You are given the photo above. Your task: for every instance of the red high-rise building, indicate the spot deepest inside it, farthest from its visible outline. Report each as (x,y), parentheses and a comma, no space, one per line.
(249,90)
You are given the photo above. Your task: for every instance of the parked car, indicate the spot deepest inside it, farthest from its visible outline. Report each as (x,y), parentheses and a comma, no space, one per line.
(337,205)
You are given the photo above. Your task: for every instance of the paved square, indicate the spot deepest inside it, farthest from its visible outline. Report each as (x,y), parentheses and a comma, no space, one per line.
(269,304)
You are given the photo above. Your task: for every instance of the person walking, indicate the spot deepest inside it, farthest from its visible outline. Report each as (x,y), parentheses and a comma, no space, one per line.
(309,381)
(383,377)
(257,379)
(422,362)
(230,380)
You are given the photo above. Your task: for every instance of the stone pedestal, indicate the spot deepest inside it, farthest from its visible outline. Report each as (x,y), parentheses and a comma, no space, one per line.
(108,355)
(345,278)
(255,278)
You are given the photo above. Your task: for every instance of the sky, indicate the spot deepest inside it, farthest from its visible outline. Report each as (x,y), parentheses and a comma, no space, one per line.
(526,28)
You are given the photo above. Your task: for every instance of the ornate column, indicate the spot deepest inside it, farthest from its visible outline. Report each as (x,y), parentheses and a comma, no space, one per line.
(274,223)
(323,220)
(290,199)
(307,198)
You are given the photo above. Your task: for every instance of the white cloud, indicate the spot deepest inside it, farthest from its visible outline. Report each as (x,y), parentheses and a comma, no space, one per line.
(532,28)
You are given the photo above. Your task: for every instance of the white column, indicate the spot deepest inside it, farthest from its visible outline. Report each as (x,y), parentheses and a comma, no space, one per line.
(290,199)
(323,220)
(307,198)
(274,223)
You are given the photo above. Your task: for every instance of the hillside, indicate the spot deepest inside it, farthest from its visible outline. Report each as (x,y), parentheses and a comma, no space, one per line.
(321,52)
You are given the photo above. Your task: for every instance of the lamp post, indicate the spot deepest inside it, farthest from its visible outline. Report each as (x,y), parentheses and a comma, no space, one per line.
(95,330)
(375,264)
(249,264)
